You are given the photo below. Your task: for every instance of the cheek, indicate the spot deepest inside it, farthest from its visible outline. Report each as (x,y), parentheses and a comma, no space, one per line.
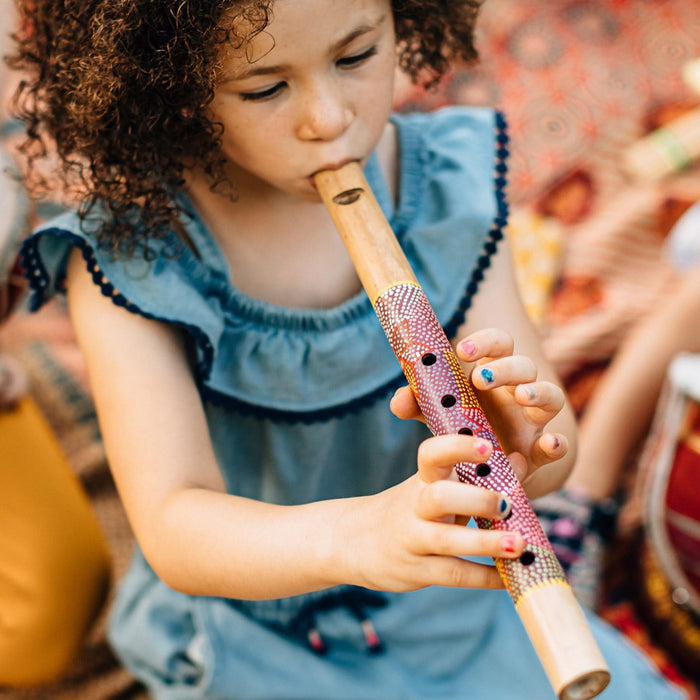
(381,101)
(243,137)
(384,93)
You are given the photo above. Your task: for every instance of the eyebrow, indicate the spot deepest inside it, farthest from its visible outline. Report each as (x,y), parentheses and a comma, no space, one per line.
(281,67)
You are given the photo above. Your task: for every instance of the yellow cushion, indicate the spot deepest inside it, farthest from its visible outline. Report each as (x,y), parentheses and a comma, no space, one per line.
(54,563)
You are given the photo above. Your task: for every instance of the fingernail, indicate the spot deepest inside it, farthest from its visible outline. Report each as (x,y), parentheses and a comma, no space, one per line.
(468,348)
(556,442)
(482,446)
(487,375)
(531,393)
(509,543)
(504,507)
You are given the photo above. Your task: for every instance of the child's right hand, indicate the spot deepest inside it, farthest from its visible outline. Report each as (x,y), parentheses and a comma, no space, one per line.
(413,535)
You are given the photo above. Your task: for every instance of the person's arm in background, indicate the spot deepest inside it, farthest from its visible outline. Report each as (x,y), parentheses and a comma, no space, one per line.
(622,407)
(580,519)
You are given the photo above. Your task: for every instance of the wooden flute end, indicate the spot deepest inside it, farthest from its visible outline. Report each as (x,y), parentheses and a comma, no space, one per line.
(564,643)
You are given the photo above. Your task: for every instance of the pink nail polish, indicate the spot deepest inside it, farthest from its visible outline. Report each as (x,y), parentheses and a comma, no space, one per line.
(468,348)
(482,447)
(509,543)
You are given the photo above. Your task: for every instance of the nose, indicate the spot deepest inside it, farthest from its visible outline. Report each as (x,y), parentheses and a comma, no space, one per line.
(325,113)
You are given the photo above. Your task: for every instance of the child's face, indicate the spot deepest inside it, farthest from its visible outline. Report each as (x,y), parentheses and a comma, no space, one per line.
(313,91)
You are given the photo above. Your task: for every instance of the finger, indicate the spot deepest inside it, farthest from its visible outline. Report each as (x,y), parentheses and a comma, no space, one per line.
(460,573)
(519,465)
(545,396)
(437,456)
(488,342)
(446,539)
(515,369)
(443,498)
(549,447)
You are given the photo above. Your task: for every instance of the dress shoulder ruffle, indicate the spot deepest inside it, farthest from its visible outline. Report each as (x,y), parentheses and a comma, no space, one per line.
(300,364)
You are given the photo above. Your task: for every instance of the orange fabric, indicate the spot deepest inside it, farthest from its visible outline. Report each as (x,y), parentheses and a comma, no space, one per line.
(54,563)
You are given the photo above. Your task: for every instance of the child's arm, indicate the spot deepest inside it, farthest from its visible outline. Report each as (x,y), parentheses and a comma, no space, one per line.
(203,541)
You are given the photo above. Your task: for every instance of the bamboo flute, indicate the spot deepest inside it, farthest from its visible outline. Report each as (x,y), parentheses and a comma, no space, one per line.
(543,598)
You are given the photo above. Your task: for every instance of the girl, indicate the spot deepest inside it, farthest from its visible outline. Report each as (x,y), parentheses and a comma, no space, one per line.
(238,370)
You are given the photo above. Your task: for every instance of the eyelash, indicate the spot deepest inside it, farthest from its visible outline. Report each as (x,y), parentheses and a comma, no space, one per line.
(262,95)
(348,62)
(351,61)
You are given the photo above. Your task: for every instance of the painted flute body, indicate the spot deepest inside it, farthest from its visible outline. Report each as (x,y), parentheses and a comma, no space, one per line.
(535,581)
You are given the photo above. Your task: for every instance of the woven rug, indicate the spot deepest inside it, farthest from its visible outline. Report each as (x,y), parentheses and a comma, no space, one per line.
(578,83)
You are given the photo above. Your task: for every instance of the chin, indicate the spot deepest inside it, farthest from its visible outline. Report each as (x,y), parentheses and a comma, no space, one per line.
(313,196)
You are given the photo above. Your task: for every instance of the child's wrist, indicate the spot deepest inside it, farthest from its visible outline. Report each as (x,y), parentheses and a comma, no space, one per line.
(340,551)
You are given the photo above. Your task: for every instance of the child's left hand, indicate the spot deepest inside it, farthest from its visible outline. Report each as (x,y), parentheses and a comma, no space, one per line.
(517,405)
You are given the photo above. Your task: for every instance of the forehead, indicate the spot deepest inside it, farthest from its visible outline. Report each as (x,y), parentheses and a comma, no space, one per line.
(261,32)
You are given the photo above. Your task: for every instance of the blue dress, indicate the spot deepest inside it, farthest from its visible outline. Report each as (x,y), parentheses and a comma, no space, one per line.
(287,392)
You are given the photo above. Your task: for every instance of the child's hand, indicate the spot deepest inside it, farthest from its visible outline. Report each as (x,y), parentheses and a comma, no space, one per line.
(518,406)
(413,535)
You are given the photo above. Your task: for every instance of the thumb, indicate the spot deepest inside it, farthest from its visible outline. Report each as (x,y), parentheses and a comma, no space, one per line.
(403,405)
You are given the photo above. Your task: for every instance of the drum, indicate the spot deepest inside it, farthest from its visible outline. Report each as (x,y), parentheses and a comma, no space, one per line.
(670,557)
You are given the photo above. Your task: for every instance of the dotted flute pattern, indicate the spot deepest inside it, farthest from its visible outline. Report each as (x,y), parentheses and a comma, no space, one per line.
(450,405)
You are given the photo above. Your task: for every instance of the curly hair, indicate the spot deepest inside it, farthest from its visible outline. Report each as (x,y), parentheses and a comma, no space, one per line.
(119,90)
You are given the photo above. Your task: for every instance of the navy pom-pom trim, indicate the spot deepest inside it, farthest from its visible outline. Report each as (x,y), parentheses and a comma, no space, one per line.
(39,282)
(499,223)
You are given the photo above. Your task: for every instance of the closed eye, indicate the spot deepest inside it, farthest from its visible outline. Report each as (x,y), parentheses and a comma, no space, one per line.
(357,59)
(263,94)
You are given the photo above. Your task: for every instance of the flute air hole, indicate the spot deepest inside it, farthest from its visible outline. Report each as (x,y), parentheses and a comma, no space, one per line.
(349,196)
(428,359)
(466,431)
(483,470)
(526,558)
(448,400)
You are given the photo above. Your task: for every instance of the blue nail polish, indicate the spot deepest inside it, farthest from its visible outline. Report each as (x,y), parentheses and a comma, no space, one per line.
(487,374)
(504,506)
